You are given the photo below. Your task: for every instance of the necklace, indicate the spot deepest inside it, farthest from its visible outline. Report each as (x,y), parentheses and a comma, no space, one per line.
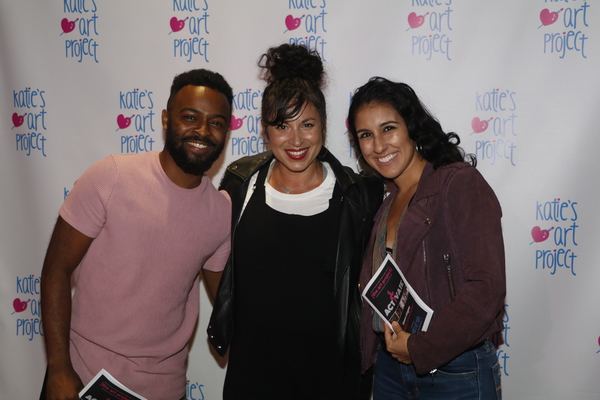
(285,189)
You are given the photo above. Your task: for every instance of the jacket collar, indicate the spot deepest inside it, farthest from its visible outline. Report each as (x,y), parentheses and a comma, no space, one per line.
(343,177)
(246,169)
(428,184)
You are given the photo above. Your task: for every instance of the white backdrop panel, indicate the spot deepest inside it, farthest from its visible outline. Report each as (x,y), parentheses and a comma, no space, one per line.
(80,79)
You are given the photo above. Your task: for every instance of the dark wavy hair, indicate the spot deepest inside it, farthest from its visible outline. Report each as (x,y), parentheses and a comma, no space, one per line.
(294,76)
(200,77)
(433,144)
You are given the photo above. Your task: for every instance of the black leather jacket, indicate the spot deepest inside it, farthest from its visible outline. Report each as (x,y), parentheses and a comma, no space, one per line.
(361,199)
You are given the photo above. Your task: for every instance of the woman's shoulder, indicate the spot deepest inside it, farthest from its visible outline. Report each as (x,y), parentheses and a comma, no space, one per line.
(245,167)
(455,167)
(249,164)
(462,170)
(463,180)
(457,170)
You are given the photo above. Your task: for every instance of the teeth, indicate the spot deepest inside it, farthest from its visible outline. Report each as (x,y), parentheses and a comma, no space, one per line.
(296,153)
(198,145)
(387,158)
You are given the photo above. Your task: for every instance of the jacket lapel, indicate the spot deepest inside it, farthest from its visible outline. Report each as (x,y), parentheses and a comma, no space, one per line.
(418,220)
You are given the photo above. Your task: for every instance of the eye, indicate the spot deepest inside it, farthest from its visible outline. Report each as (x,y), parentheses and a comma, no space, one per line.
(216,123)
(188,117)
(364,135)
(309,125)
(388,128)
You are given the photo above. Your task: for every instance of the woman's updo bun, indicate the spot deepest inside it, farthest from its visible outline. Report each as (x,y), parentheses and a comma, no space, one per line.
(292,61)
(295,76)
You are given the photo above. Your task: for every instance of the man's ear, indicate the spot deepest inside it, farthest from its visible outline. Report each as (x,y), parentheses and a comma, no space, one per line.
(165,119)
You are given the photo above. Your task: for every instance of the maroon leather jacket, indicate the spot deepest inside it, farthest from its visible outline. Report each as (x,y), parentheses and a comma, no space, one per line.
(454,212)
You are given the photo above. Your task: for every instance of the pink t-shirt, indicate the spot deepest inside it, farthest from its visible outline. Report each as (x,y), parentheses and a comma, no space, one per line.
(136,293)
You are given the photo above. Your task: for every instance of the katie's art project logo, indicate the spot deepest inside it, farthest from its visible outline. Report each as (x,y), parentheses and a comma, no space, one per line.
(430,24)
(307,24)
(495,126)
(80,29)
(29,121)
(136,120)
(189,28)
(555,235)
(565,29)
(26,307)
(246,138)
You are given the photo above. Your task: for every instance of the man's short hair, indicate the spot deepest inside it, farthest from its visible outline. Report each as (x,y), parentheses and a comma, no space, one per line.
(200,77)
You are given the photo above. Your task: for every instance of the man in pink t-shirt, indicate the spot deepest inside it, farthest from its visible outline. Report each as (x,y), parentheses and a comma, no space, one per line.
(132,236)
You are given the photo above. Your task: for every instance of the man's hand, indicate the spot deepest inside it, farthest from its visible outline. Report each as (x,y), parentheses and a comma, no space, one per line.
(397,343)
(63,384)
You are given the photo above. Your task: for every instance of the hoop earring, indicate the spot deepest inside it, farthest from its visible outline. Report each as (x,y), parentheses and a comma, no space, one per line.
(358,167)
(419,149)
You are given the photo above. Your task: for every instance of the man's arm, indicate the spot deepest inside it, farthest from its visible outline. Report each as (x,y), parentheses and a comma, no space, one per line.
(212,280)
(65,251)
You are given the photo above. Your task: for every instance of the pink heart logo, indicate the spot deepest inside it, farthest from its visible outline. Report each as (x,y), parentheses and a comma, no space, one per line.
(19,305)
(539,235)
(17,120)
(479,125)
(547,17)
(123,121)
(415,20)
(292,23)
(66,25)
(176,24)
(236,123)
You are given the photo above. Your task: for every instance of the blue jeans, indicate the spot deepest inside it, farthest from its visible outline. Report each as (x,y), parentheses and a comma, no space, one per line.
(474,375)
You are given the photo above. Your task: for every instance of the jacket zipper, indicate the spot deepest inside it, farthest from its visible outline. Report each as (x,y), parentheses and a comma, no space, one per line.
(425,274)
(449,269)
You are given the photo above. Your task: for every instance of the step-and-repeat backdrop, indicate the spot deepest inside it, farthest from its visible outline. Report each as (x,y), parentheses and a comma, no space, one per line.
(518,80)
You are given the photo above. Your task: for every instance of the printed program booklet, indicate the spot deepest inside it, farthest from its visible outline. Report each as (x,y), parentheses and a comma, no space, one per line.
(105,387)
(390,295)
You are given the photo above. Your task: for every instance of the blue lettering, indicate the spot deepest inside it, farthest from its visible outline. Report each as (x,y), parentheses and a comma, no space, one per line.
(136,144)
(79,6)
(80,48)
(31,141)
(190,47)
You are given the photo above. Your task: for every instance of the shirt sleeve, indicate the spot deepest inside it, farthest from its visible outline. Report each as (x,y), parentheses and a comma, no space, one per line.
(86,204)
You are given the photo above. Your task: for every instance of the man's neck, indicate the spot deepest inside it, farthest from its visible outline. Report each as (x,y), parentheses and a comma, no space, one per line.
(176,174)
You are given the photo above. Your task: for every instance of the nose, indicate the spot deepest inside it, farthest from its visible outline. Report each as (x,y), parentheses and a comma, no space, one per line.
(379,144)
(296,137)
(201,128)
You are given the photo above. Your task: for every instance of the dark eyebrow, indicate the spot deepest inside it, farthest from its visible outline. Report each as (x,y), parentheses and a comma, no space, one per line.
(195,110)
(381,124)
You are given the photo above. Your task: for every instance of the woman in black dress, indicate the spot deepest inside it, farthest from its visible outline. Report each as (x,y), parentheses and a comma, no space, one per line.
(288,303)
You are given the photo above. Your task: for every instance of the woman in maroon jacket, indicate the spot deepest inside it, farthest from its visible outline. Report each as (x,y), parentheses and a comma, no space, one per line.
(441,224)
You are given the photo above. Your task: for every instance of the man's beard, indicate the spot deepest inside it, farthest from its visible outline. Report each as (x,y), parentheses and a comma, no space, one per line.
(188,161)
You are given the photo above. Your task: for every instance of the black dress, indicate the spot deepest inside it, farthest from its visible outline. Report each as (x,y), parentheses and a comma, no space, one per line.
(284,344)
